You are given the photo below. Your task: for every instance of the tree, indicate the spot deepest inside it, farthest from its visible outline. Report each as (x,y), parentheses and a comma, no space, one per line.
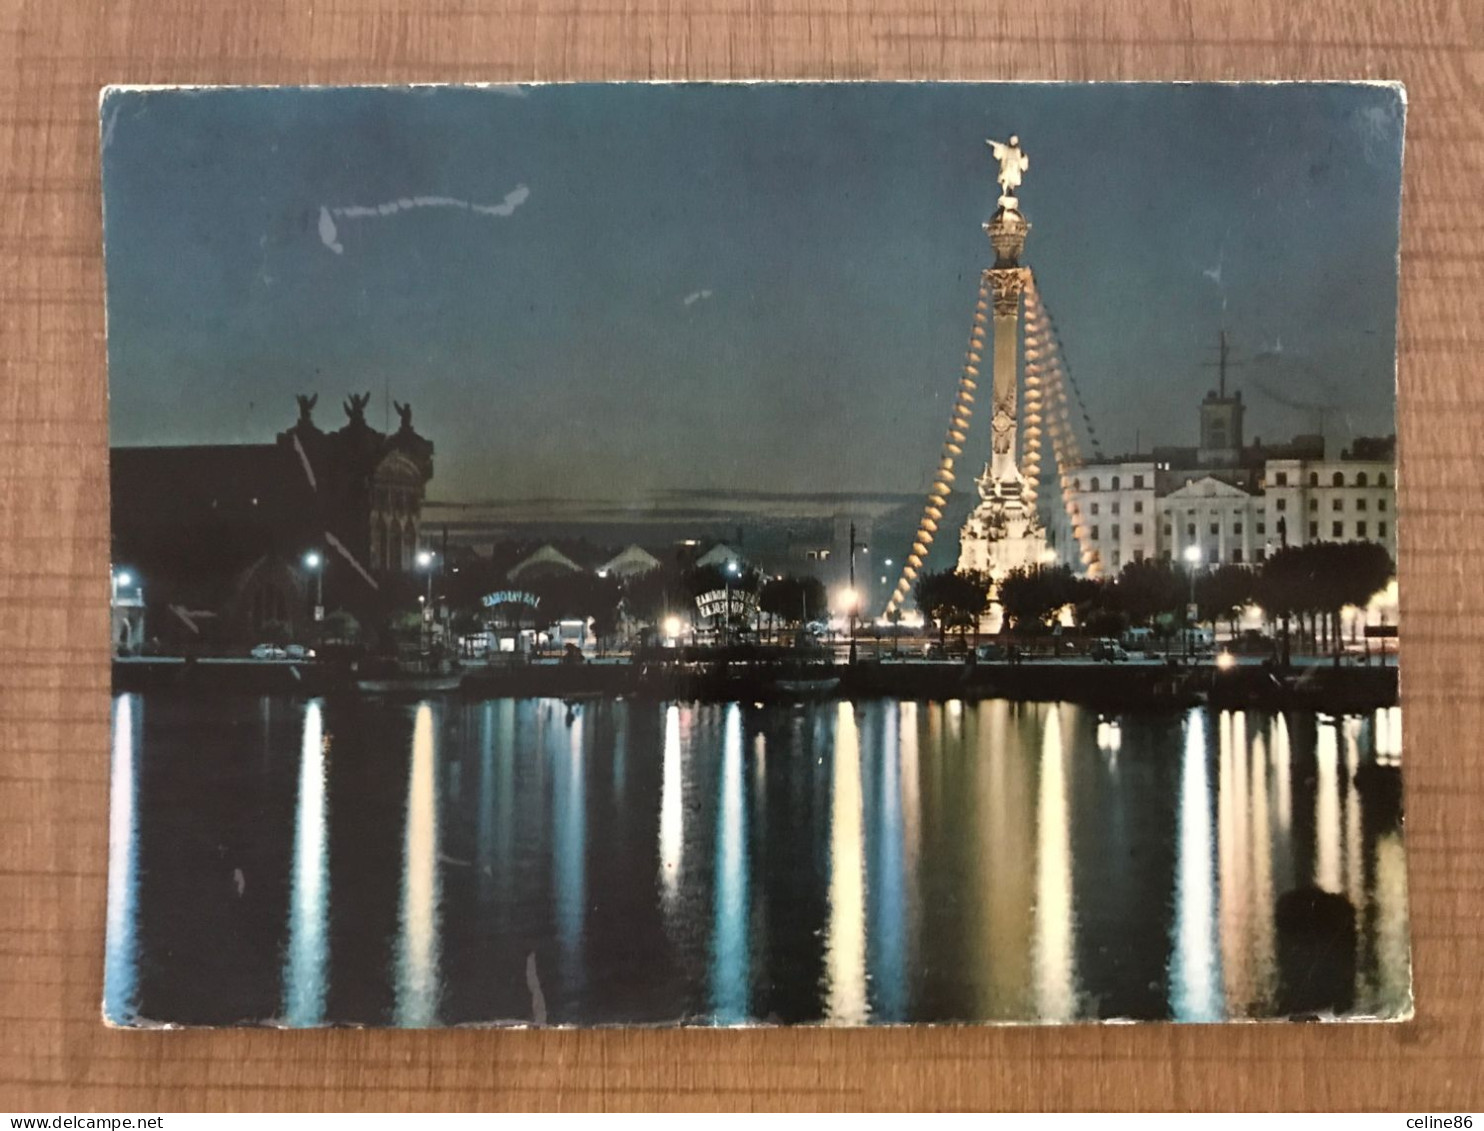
(1365,570)
(1032,596)
(894,617)
(340,627)
(652,596)
(793,599)
(1145,589)
(951,599)
(1222,593)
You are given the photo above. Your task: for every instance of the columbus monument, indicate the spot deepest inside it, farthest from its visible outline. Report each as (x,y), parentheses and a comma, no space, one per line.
(1004,531)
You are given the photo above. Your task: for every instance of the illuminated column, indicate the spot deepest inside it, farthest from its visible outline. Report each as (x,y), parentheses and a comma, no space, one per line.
(1007,232)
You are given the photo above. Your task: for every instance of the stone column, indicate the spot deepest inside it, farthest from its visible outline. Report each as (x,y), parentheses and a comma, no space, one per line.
(1007,232)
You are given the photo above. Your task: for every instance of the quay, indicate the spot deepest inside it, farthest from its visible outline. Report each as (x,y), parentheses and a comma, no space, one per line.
(1133,684)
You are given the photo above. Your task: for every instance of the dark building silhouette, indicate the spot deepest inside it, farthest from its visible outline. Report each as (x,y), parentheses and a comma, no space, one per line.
(216,535)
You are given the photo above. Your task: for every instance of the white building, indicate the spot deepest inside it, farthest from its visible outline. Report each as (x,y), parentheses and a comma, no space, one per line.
(1237,503)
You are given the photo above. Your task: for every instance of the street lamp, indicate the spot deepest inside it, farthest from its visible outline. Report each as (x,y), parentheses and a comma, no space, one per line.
(730,572)
(425,562)
(851,599)
(1192,557)
(314,563)
(853,596)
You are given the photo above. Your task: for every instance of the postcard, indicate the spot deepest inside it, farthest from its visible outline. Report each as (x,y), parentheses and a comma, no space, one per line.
(754,554)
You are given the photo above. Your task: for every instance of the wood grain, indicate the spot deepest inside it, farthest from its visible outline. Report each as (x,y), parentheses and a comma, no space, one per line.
(54,55)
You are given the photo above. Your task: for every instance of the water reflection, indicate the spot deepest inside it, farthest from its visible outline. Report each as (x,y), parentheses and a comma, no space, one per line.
(569,845)
(418,942)
(1195,975)
(672,817)
(836,862)
(1056,991)
(120,962)
(307,964)
(729,958)
(845,938)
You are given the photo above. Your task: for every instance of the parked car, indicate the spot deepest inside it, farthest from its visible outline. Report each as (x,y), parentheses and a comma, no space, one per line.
(1138,639)
(269,652)
(952,650)
(298,652)
(1107,649)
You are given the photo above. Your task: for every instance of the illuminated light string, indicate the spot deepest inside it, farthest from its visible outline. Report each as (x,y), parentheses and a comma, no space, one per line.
(957,432)
(1047,412)
(1051,366)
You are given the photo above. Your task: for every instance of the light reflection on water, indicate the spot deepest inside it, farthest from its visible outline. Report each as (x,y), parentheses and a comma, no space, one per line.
(120,961)
(842,863)
(307,967)
(417,942)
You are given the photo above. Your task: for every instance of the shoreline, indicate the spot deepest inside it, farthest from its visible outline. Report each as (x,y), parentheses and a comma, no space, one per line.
(1106,686)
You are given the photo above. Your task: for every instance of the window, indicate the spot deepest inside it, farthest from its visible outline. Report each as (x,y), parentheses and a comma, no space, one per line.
(1282,504)
(1168,530)
(1313,505)
(1190,530)
(1138,482)
(1313,531)
(1115,532)
(1281,479)
(1360,504)
(1236,528)
(1138,528)
(1115,483)
(1138,555)
(1262,528)
(1076,484)
(1380,530)
(1313,479)
(1115,508)
(1381,480)
(1094,508)
(1093,533)
(1381,505)
(1117,558)
(1237,555)
(1138,506)
(1339,479)
(1361,479)
(1167,555)
(1337,530)
(1095,486)
(1216,528)
(1262,554)
(1338,504)
(1360,530)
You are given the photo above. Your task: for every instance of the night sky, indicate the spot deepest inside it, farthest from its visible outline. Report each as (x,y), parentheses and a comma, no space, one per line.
(615,293)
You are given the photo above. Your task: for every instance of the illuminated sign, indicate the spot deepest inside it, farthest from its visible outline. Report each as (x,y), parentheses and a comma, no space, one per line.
(714,603)
(510,597)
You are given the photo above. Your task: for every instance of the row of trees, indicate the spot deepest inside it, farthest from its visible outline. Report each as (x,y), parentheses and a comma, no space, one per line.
(1310,584)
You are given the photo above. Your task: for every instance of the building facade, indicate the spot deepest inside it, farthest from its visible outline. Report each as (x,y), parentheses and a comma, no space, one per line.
(1235,503)
(216,536)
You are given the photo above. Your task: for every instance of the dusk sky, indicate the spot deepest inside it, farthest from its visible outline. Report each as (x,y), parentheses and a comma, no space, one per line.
(613,292)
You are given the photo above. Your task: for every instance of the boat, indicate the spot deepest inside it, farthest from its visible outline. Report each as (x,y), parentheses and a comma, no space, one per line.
(807,687)
(410,677)
(409,684)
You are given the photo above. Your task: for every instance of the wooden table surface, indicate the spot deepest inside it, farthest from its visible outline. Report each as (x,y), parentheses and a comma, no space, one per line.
(55,1056)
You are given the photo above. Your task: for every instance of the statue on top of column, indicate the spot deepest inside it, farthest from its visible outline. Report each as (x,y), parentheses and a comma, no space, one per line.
(1013,163)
